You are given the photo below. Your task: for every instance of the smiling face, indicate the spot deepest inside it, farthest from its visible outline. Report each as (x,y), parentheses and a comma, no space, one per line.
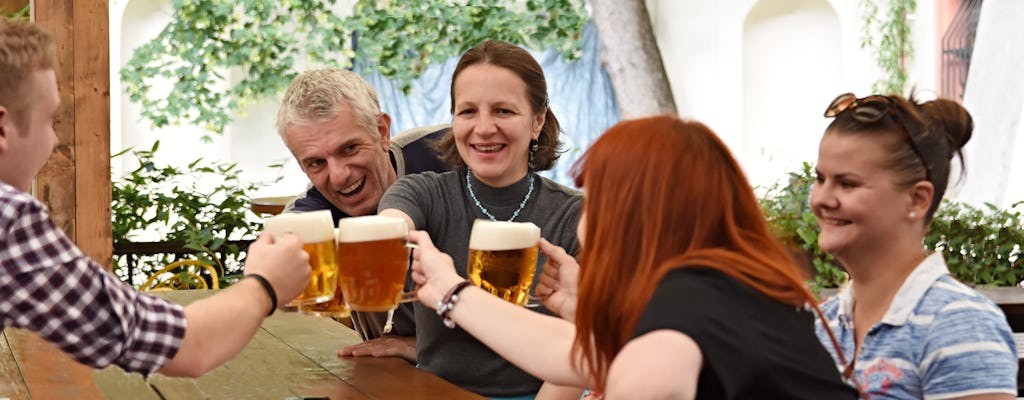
(348,165)
(493,123)
(859,205)
(27,140)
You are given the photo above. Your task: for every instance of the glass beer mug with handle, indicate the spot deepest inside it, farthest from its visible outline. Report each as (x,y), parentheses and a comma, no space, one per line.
(503,259)
(316,231)
(336,307)
(373,261)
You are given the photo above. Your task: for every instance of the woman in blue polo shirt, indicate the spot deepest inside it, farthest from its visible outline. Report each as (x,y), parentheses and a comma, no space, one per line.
(913,330)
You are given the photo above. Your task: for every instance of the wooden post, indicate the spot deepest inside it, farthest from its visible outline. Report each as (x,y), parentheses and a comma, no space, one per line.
(75,183)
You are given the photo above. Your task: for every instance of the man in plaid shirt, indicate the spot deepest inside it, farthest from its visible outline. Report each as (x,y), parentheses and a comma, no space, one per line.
(49,287)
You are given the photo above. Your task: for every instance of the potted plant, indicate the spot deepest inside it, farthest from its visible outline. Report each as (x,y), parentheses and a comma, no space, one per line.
(202,209)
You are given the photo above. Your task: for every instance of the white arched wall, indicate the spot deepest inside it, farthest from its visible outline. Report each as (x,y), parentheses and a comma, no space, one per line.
(250,141)
(707,55)
(142,20)
(791,61)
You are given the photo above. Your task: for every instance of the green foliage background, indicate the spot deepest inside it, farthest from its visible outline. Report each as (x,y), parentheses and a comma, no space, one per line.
(170,203)
(888,35)
(267,42)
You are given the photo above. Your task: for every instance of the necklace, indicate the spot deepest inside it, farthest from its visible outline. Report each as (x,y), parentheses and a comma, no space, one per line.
(469,186)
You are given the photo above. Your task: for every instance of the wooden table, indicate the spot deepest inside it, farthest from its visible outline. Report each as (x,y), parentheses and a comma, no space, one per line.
(293,356)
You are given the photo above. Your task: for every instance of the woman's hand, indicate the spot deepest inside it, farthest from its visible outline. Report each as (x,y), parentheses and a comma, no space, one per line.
(557,283)
(432,270)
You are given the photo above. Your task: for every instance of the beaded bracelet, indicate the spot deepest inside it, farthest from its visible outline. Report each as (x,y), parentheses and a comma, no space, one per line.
(445,305)
(268,288)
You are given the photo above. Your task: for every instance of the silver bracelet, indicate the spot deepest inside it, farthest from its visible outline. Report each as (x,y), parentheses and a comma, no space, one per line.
(445,305)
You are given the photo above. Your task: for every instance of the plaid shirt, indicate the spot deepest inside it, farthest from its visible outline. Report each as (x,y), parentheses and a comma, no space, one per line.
(49,287)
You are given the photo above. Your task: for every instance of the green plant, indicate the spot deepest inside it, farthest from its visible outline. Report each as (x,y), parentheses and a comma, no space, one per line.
(22,14)
(787,209)
(890,42)
(981,246)
(172,205)
(401,41)
(266,40)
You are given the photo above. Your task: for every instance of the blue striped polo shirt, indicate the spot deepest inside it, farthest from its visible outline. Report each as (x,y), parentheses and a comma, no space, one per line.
(939,339)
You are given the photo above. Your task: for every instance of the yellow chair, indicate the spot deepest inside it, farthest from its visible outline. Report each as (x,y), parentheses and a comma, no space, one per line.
(182,275)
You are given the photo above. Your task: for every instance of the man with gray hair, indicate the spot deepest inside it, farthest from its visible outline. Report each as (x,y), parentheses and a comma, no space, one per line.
(330,120)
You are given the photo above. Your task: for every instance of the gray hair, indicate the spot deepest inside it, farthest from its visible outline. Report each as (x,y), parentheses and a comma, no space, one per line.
(315,96)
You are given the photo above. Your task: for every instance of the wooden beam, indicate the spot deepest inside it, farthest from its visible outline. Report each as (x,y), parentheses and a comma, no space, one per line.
(75,183)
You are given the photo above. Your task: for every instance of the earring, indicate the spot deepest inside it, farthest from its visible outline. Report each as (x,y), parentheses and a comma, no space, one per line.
(912,215)
(534,145)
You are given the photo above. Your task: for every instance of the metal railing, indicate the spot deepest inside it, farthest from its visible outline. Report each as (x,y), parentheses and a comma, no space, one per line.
(957,48)
(132,253)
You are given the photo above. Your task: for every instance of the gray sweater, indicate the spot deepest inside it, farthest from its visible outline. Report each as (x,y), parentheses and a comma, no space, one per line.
(441,205)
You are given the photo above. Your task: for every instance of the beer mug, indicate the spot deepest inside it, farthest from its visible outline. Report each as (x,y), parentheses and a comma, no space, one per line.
(316,231)
(373,261)
(503,259)
(334,308)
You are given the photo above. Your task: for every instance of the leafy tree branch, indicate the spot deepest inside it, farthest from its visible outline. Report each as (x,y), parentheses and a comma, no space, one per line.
(889,38)
(266,42)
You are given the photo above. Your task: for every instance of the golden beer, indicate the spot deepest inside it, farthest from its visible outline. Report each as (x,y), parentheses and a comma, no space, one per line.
(335,307)
(372,261)
(316,231)
(503,258)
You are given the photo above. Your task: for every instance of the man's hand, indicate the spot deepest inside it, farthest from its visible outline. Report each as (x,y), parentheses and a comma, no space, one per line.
(384,346)
(281,261)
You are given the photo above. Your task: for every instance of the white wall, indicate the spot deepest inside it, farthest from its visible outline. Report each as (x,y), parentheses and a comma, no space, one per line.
(758,72)
(995,86)
(791,56)
(761,72)
(251,141)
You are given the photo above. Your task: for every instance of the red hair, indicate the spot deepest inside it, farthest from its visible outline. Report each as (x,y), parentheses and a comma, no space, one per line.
(661,194)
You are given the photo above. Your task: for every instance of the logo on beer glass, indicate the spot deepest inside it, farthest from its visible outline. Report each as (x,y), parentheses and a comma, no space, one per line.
(503,258)
(373,260)
(316,231)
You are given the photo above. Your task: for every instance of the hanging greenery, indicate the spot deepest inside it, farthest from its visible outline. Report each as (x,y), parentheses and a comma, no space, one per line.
(264,43)
(888,36)
(22,14)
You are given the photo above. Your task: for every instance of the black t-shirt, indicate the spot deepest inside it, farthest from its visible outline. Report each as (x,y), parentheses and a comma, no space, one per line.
(753,346)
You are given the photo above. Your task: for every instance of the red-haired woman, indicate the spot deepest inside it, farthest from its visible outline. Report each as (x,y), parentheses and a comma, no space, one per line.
(683,291)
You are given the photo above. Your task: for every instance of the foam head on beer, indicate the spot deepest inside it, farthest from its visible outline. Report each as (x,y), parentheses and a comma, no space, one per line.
(310,227)
(370,228)
(502,235)
(316,231)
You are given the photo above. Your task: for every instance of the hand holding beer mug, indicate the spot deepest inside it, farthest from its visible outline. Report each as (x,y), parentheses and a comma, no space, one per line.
(373,260)
(503,259)
(316,231)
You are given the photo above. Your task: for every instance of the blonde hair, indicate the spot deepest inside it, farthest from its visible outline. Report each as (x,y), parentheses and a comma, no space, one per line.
(316,96)
(24,48)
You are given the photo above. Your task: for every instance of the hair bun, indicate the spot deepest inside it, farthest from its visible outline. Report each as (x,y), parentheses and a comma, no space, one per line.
(949,119)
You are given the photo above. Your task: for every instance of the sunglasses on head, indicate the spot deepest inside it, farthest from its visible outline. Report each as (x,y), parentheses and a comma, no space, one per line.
(872,109)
